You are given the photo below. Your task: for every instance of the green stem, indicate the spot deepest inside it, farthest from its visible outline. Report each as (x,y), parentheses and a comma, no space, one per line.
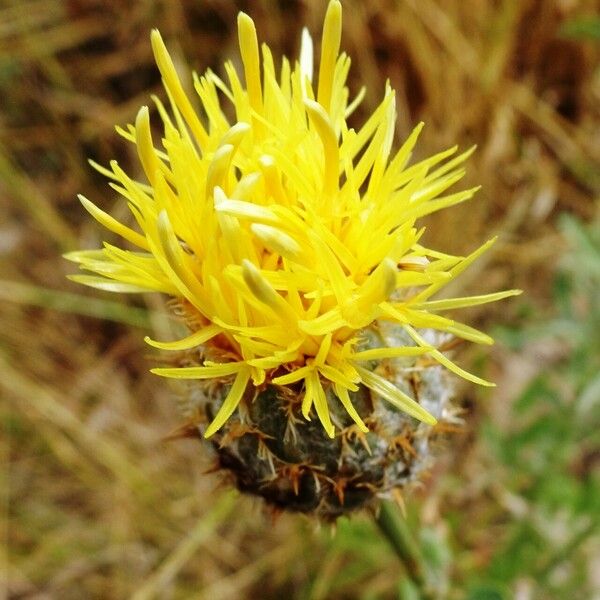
(395,528)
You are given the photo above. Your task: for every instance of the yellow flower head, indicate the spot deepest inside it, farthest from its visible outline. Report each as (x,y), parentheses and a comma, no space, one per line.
(284,231)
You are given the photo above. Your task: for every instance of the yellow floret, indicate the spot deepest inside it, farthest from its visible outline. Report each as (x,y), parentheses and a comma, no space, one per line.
(284,229)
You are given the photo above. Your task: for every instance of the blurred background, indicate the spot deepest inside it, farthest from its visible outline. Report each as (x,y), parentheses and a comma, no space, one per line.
(96,505)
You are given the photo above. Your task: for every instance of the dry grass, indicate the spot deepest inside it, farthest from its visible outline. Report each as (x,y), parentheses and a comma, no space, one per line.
(94,504)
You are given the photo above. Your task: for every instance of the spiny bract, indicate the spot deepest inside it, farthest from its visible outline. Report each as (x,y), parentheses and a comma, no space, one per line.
(289,240)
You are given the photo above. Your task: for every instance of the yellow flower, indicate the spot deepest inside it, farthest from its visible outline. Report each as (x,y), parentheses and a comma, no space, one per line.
(283,231)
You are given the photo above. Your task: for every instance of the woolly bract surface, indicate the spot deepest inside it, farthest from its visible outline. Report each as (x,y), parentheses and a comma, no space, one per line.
(284,231)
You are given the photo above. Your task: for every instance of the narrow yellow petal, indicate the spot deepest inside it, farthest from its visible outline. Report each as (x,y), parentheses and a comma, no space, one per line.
(248,210)
(171,251)
(112,224)
(250,57)
(443,360)
(266,362)
(210,371)
(445,168)
(402,177)
(356,102)
(264,292)
(323,352)
(403,155)
(380,284)
(393,395)
(277,241)
(428,191)
(336,376)
(393,312)
(455,271)
(270,333)
(173,85)
(338,280)
(431,206)
(272,177)
(385,137)
(191,341)
(469,333)
(453,303)
(258,376)
(424,319)
(330,47)
(230,228)
(342,393)
(293,376)
(315,391)
(145,147)
(322,123)
(235,134)
(323,324)
(230,403)
(107,285)
(414,278)
(246,186)
(218,169)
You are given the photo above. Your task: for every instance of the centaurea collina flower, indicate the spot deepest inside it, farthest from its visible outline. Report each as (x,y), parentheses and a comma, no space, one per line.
(287,235)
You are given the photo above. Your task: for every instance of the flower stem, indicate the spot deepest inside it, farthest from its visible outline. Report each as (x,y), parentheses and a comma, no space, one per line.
(394,527)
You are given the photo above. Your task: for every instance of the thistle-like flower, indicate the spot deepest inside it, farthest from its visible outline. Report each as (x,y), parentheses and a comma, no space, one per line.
(290,241)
